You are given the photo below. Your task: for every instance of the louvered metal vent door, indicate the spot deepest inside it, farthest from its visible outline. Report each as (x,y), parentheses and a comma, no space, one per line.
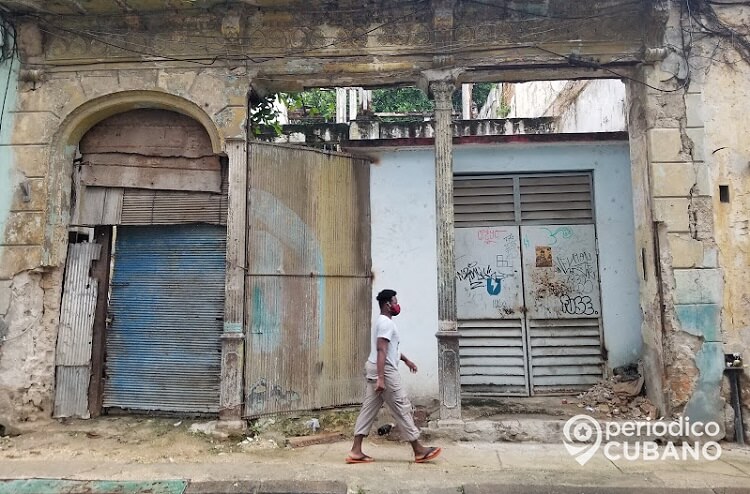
(489,292)
(163,349)
(489,301)
(527,284)
(561,281)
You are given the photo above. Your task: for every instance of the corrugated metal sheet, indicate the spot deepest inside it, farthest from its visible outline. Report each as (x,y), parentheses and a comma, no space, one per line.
(308,285)
(167,306)
(78,306)
(72,391)
(73,353)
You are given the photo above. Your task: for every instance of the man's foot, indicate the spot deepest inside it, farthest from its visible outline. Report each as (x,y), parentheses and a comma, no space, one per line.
(429,454)
(352,458)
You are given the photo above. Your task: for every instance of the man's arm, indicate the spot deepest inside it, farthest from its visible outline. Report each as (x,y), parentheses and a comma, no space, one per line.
(411,365)
(382,352)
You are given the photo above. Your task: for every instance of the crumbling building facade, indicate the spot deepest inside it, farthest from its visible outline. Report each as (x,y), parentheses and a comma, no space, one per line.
(131,119)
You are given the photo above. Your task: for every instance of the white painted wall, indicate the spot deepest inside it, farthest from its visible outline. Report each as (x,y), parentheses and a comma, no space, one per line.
(600,107)
(404,249)
(531,99)
(404,256)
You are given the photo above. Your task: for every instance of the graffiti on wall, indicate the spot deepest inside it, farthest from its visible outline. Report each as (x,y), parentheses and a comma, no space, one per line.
(487,271)
(563,273)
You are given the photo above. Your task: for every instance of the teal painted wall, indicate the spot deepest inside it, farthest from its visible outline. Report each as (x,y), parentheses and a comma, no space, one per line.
(8,92)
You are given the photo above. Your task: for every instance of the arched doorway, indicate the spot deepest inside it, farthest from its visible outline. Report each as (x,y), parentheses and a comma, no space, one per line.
(153,194)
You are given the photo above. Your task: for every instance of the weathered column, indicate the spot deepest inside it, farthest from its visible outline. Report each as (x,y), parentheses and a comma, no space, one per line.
(233,337)
(447,335)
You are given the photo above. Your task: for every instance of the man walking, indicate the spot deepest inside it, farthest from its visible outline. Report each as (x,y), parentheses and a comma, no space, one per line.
(384,385)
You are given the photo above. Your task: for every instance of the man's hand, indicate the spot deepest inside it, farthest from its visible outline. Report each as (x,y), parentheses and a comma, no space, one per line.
(380,385)
(411,365)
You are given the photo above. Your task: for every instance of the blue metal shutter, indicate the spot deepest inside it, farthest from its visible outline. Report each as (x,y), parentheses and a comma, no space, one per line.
(166,310)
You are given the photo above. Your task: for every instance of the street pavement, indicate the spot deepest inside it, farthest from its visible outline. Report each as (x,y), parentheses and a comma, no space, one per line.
(464,467)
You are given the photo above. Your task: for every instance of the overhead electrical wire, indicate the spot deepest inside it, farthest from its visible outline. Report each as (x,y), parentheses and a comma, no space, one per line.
(145,50)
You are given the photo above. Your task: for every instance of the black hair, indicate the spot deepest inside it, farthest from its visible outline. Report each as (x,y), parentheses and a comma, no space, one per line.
(385,296)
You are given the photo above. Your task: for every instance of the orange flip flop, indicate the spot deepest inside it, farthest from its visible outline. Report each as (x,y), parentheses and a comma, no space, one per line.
(364,459)
(432,453)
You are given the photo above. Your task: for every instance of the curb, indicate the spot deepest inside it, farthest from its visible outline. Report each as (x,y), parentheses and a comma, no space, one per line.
(266,487)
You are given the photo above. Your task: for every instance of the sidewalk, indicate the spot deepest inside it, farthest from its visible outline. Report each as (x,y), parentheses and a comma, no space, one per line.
(478,467)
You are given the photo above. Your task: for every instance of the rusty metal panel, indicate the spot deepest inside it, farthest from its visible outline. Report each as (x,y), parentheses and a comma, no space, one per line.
(73,352)
(161,207)
(167,304)
(308,279)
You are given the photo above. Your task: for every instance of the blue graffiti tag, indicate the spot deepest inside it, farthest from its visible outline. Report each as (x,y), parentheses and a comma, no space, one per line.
(494,290)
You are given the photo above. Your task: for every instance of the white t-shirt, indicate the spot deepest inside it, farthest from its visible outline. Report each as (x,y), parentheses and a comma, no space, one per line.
(384,327)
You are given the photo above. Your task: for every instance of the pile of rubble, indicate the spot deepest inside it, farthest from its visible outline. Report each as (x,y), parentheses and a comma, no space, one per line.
(619,397)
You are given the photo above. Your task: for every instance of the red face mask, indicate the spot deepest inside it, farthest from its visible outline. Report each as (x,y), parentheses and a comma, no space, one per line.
(395,309)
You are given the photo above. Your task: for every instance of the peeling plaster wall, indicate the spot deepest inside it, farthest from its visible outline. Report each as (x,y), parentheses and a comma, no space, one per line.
(721,108)
(47,124)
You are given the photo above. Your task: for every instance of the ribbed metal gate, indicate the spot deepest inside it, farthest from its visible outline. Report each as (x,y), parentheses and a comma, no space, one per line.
(163,349)
(527,283)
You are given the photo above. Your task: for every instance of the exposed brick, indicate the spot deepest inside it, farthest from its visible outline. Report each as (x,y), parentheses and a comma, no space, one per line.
(324,438)
(673,212)
(672,179)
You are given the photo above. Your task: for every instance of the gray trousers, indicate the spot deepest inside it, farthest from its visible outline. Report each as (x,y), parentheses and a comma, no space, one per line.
(394,398)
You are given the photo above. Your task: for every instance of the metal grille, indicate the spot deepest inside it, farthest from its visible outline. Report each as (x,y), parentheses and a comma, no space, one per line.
(565,354)
(492,357)
(167,306)
(550,199)
(483,201)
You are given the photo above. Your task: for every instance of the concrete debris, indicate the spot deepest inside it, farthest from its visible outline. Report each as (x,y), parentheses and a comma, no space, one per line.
(209,429)
(619,396)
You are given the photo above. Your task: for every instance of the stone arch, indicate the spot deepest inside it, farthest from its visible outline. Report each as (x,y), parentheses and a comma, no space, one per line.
(74,126)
